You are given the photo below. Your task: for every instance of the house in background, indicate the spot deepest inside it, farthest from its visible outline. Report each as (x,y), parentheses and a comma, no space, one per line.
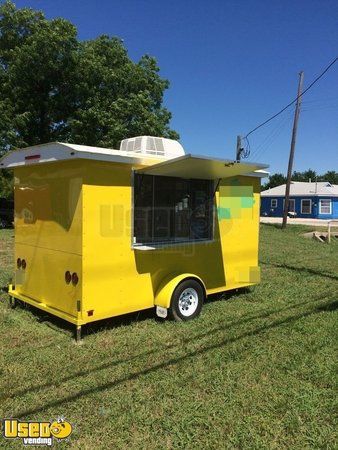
(307,200)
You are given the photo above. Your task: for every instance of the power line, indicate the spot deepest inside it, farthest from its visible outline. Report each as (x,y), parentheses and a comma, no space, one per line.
(293,101)
(320,108)
(321,99)
(267,145)
(271,138)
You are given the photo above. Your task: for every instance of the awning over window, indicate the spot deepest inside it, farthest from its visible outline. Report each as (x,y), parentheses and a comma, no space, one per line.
(192,166)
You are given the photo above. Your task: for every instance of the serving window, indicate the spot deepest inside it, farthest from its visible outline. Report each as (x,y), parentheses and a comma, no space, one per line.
(172,210)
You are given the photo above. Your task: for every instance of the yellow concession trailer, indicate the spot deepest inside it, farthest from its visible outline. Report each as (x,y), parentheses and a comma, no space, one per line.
(100,232)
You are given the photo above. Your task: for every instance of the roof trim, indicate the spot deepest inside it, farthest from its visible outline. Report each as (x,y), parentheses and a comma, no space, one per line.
(192,166)
(59,151)
(201,167)
(333,194)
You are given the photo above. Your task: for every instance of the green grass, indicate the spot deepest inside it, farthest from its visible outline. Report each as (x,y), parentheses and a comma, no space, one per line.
(255,371)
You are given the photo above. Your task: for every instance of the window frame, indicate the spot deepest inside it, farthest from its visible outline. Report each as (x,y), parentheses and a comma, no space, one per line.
(301,206)
(161,244)
(274,200)
(294,204)
(320,206)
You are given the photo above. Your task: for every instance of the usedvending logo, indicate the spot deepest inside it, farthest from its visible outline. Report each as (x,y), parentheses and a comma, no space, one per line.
(37,433)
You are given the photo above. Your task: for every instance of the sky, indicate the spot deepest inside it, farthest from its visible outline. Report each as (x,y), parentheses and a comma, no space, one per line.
(231,65)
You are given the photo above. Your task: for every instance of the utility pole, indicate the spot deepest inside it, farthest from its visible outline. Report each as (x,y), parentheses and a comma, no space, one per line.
(292,148)
(239,149)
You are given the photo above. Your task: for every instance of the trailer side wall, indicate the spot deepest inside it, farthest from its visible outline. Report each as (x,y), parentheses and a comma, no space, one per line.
(48,233)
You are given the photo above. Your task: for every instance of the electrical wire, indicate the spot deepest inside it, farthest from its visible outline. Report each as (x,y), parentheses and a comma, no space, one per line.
(274,137)
(319,108)
(321,100)
(292,102)
(275,133)
(266,141)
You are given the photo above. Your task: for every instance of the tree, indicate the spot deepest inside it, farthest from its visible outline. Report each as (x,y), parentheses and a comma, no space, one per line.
(331,176)
(304,176)
(6,184)
(38,62)
(117,98)
(274,180)
(54,87)
(277,179)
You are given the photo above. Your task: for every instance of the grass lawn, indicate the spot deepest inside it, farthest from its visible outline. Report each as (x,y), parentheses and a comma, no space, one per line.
(255,371)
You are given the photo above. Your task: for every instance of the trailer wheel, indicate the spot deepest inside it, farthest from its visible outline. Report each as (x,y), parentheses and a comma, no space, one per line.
(187,300)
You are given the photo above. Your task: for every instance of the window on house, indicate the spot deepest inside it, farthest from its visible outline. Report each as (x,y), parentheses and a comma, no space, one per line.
(325,206)
(292,205)
(168,209)
(306,206)
(273,203)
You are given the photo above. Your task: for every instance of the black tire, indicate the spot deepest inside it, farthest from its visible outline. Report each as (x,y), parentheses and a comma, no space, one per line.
(188,306)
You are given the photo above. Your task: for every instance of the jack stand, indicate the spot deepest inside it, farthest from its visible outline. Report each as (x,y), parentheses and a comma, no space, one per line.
(78,333)
(13,302)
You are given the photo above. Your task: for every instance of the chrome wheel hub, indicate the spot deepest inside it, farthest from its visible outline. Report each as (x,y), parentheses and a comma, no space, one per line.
(188,302)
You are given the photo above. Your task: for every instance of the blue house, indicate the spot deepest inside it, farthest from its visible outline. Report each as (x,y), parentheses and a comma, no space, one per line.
(307,200)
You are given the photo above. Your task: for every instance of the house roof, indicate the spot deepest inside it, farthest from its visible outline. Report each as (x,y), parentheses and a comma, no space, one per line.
(300,188)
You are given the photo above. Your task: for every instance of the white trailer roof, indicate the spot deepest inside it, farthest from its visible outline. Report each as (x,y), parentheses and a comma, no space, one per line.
(187,166)
(58,151)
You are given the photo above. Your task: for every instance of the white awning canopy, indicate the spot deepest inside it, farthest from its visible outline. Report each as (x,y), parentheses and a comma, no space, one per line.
(194,166)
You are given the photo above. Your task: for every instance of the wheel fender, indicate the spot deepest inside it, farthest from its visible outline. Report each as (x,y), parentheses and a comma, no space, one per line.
(168,285)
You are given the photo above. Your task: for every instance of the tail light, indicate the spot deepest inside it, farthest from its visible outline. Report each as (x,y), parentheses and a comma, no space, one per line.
(68,277)
(75,279)
(18,263)
(23,264)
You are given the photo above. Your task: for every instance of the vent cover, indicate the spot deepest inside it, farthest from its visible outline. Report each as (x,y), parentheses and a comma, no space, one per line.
(153,146)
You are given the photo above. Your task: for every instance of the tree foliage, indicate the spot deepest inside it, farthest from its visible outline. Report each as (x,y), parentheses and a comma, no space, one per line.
(274,180)
(54,87)
(278,178)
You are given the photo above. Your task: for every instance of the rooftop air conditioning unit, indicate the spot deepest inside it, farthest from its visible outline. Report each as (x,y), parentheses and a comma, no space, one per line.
(153,146)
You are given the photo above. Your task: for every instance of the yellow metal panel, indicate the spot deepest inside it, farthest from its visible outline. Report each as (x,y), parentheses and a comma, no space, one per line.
(48,234)
(56,312)
(48,206)
(111,283)
(44,277)
(238,215)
